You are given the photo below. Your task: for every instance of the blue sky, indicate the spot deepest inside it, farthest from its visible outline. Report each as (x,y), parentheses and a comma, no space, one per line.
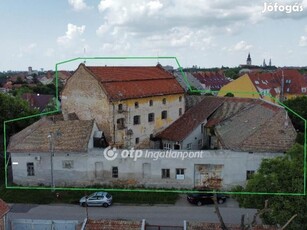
(206,33)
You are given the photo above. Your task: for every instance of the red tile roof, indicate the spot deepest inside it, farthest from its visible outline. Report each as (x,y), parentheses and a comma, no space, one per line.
(217,226)
(75,136)
(4,208)
(113,225)
(293,80)
(213,80)
(183,126)
(122,83)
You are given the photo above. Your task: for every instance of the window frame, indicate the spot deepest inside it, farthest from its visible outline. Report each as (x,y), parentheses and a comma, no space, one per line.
(114,171)
(151,117)
(30,169)
(164,115)
(138,117)
(165,173)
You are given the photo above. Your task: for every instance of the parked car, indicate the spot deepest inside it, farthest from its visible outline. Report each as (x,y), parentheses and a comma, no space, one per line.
(97,199)
(205,198)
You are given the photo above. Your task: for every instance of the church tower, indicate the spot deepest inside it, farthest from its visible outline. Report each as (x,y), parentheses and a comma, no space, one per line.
(249,60)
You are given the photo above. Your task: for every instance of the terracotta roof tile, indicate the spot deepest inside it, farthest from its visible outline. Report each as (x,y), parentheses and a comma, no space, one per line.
(183,126)
(135,82)
(293,80)
(241,124)
(213,80)
(113,225)
(74,136)
(217,226)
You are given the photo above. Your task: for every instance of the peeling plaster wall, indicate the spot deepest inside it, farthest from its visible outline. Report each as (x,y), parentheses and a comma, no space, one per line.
(93,168)
(83,95)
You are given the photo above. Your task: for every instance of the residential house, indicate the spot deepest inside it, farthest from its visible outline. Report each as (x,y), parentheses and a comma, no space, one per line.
(46,78)
(37,101)
(238,133)
(187,131)
(4,209)
(49,76)
(128,103)
(281,84)
(236,124)
(210,80)
(186,79)
(63,75)
(53,142)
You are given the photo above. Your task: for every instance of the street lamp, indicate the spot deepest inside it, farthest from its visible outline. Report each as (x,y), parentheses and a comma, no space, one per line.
(52,137)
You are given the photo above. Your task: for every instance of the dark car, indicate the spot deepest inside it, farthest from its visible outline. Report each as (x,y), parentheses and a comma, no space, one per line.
(205,198)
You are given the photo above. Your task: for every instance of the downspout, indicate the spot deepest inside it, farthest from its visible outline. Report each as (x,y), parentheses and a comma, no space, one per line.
(113,124)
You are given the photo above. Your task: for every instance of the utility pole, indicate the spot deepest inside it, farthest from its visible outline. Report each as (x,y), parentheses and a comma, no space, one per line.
(52,137)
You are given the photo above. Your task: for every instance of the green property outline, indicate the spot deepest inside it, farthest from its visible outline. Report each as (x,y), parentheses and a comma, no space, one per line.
(144,190)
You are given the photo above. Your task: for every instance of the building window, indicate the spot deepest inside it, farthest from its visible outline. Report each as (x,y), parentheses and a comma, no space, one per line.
(177,146)
(150,102)
(68,164)
(249,174)
(137,120)
(180,98)
(189,146)
(136,105)
(164,114)
(165,173)
(179,174)
(115,172)
(30,168)
(166,146)
(164,101)
(180,111)
(120,108)
(120,123)
(137,140)
(151,117)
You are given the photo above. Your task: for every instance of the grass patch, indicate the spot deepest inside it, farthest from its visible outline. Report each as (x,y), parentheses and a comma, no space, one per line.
(36,196)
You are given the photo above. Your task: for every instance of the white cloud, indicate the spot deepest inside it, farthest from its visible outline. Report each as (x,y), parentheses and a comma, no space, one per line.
(73,32)
(240,46)
(49,52)
(154,6)
(303,41)
(26,50)
(103,29)
(78,5)
(106,4)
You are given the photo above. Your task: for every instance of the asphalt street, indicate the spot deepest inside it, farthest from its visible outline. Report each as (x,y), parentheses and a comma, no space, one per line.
(156,214)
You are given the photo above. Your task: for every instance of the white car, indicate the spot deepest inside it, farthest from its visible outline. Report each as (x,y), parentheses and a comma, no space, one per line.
(103,199)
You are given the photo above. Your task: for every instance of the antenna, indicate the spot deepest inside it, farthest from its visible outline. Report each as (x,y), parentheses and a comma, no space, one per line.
(84,51)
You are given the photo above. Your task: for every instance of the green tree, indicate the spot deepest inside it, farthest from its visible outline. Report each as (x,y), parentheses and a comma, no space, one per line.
(229,94)
(11,108)
(279,175)
(299,106)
